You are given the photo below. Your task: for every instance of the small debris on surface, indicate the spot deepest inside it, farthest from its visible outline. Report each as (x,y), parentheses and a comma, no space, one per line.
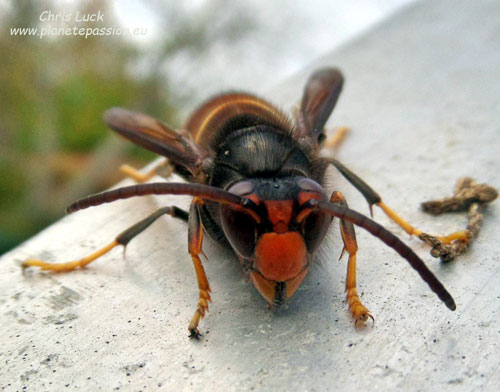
(468,195)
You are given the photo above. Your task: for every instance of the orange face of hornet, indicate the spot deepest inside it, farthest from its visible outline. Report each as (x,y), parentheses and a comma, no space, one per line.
(276,244)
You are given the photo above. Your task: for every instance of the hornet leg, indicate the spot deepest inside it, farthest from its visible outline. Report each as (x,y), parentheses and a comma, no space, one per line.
(334,141)
(359,312)
(373,198)
(122,239)
(140,177)
(195,241)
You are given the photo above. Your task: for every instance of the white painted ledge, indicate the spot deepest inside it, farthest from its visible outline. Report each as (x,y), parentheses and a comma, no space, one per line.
(422,99)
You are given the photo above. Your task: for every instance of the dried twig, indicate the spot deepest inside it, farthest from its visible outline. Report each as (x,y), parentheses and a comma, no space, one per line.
(469,195)
(467,191)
